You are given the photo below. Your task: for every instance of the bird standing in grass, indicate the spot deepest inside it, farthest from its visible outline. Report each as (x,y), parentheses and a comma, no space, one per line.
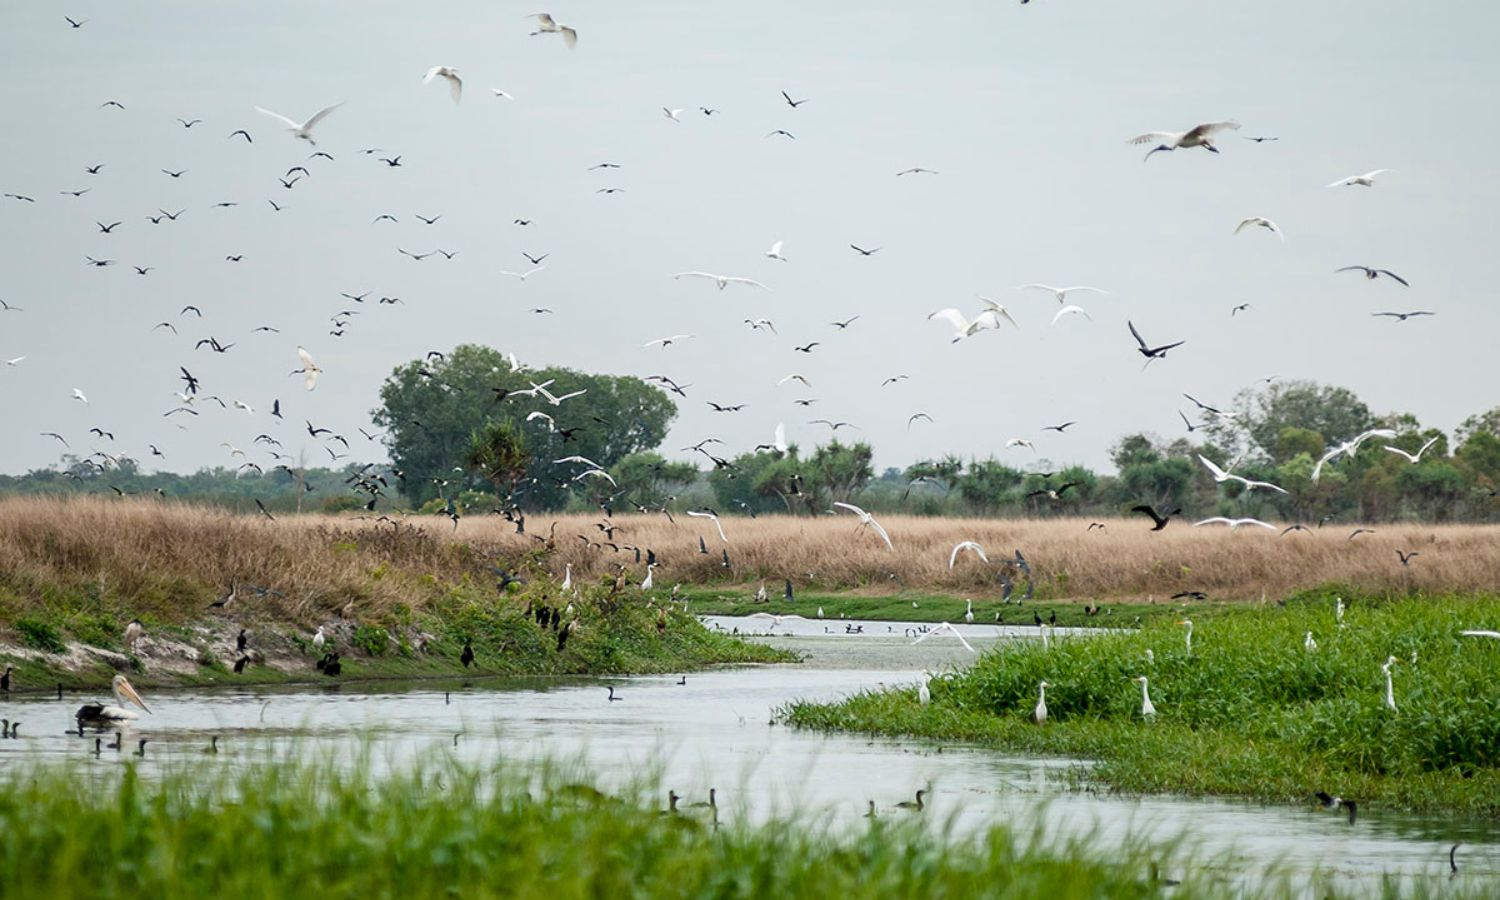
(1390,693)
(467,656)
(1040,714)
(1148,709)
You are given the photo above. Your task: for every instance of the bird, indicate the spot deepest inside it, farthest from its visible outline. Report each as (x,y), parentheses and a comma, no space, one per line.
(310,370)
(1160,520)
(722,281)
(671,113)
(792,103)
(1308,644)
(1197,136)
(450,75)
(5,679)
(844,325)
(1148,709)
(783,132)
(862,251)
(1069,310)
(318,639)
(1262,222)
(80,396)
(667,341)
(79,23)
(1221,476)
(302,130)
(1407,557)
(547,25)
(1373,273)
(1390,693)
(228,597)
(775,252)
(1350,447)
(612,697)
(915,805)
(332,667)
(133,633)
(964,327)
(1039,715)
(1330,802)
(1234,524)
(1412,457)
(710,514)
(917,170)
(1188,637)
(1365,180)
(101,715)
(1403,316)
(1359,531)
(1061,293)
(1238,308)
(1151,353)
(867,520)
(467,656)
(945,628)
(971,546)
(807,348)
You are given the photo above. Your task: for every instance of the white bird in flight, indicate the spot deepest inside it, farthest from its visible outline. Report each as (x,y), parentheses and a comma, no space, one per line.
(964,327)
(666,341)
(672,113)
(1412,457)
(449,74)
(310,370)
(1061,293)
(503,95)
(1021,442)
(524,275)
(1365,180)
(1070,309)
(710,515)
(1263,222)
(778,441)
(945,628)
(1351,446)
(1221,476)
(971,546)
(1234,524)
(775,252)
(722,280)
(1197,136)
(795,377)
(867,520)
(78,395)
(999,310)
(547,25)
(14,362)
(302,130)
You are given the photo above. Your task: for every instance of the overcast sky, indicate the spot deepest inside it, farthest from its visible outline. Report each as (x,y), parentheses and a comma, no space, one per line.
(1024,110)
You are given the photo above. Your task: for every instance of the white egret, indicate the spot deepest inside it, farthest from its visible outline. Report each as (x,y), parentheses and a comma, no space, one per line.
(450,75)
(998,309)
(1221,476)
(14,362)
(924,693)
(133,633)
(775,619)
(945,628)
(1040,714)
(1197,136)
(794,377)
(1188,638)
(1351,446)
(1338,611)
(1148,710)
(775,252)
(1390,693)
(962,326)
(79,396)
(969,611)
(1061,293)
(867,520)
(1070,309)
(523,275)
(1021,442)
(99,714)
(1308,644)
(1412,457)
(1365,180)
(666,342)
(1234,524)
(710,514)
(722,281)
(671,113)
(595,473)
(650,578)
(319,639)
(548,25)
(567,582)
(1262,222)
(302,130)
(310,370)
(972,546)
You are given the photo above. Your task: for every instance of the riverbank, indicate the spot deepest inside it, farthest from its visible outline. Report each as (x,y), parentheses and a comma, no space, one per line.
(393,601)
(446,829)
(1250,710)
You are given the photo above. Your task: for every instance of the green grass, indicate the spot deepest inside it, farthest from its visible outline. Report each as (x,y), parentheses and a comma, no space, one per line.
(738,601)
(1250,712)
(310,829)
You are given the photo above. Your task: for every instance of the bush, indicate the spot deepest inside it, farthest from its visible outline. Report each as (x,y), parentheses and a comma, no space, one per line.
(40,635)
(372,640)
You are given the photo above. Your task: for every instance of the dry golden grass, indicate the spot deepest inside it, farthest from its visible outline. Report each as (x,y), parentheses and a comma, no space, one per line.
(168,557)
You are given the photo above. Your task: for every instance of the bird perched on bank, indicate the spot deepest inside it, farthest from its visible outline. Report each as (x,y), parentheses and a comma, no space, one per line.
(467,656)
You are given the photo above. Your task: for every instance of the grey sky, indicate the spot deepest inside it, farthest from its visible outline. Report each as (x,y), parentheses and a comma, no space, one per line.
(1024,110)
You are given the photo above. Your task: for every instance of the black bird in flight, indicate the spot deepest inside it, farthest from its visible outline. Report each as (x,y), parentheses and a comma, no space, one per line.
(189,124)
(1148,351)
(1059,428)
(792,103)
(1403,316)
(1160,520)
(1372,274)
(862,251)
(242,133)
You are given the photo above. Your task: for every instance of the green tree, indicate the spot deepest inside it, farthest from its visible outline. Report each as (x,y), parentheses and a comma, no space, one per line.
(432,407)
(497,453)
(1485,422)
(1261,415)
(835,471)
(989,484)
(646,477)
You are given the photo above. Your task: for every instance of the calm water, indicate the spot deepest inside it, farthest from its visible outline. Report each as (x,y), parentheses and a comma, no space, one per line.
(715,731)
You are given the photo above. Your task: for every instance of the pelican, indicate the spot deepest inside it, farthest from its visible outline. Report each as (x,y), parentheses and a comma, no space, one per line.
(1262,222)
(722,281)
(1040,715)
(100,715)
(1221,476)
(302,130)
(1365,180)
(972,546)
(548,25)
(867,520)
(1234,524)
(1148,709)
(449,74)
(1061,293)
(1197,136)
